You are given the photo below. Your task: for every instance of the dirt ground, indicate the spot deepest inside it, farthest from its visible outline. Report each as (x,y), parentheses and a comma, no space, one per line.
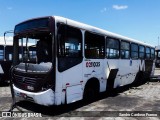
(128,103)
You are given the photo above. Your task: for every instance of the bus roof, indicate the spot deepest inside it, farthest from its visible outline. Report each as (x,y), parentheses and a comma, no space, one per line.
(91,29)
(97,30)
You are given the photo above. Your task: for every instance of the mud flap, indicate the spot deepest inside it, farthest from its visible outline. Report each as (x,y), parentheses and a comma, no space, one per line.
(111,79)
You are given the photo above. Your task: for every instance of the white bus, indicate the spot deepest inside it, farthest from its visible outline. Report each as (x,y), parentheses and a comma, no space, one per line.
(6,51)
(74,61)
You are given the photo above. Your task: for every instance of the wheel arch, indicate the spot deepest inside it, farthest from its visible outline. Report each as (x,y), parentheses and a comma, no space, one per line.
(92,81)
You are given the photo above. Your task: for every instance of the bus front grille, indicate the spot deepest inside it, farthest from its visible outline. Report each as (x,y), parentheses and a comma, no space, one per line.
(28,83)
(26,80)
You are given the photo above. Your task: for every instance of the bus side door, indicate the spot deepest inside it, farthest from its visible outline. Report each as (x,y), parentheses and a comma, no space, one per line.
(70,62)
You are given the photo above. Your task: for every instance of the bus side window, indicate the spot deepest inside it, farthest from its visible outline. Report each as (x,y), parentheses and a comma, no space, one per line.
(134,51)
(148,53)
(8,53)
(125,50)
(69,47)
(70,42)
(94,46)
(141,52)
(1,53)
(152,53)
(112,48)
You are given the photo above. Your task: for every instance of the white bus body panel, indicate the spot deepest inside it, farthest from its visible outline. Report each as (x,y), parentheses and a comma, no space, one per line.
(74,93)
(95,68)
(127,70)
(44,98)
(69,80)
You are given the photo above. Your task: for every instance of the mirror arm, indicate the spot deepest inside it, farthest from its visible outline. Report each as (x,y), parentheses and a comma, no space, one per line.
(9,31)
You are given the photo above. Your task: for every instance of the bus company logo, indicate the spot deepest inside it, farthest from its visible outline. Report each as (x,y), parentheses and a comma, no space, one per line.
(92,64)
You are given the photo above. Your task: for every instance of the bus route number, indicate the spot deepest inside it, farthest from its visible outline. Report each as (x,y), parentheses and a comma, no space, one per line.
(92,64)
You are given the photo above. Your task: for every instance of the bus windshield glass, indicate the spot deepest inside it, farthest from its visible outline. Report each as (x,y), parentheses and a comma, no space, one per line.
(35,48)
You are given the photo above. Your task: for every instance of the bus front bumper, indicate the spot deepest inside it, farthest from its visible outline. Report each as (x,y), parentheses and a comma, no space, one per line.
(43,98)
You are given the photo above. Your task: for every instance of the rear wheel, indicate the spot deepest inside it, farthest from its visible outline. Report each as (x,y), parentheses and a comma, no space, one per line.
(139,79)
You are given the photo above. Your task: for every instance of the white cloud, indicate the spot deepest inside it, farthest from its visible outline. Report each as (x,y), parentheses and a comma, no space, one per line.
(9,40)
(119,7)
(9,8)
(103,10)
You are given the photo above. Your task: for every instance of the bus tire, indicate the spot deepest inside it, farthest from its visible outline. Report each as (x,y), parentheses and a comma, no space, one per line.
(91,92)
(139,79)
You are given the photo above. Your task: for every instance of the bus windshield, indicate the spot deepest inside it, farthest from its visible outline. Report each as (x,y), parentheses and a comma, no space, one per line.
(35,48)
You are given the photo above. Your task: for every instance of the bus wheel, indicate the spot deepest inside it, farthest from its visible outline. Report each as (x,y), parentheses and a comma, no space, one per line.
(91,92)
(140,79)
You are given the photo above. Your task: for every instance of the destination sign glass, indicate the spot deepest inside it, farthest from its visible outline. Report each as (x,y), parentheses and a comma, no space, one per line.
(32,24)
